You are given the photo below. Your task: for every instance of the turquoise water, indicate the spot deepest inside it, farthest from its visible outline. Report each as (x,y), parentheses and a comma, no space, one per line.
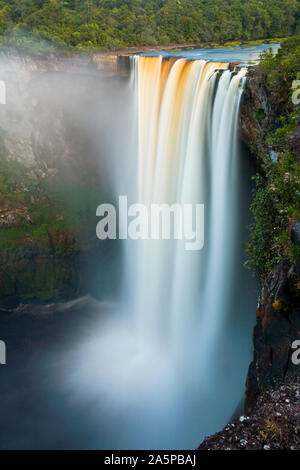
(244,53)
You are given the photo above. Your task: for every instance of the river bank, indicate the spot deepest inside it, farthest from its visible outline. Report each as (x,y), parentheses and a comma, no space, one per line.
(187,46)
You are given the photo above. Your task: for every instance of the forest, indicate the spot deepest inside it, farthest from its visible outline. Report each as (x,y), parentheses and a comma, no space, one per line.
(82,25)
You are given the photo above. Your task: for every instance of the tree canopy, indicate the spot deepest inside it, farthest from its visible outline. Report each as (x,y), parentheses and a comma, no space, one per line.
(110,24)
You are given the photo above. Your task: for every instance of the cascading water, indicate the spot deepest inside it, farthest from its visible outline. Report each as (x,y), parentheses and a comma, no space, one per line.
(187,153)
(171,369)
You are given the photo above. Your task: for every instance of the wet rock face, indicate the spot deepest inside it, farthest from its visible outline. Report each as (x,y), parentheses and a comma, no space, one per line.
(277,327)
(259,116)
(273,423)
(255,111)
(58,272)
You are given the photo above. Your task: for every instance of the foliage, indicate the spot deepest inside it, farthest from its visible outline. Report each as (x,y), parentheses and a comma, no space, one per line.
(80,25)
(276,198)
(278,73)
(271,431)
(39,207)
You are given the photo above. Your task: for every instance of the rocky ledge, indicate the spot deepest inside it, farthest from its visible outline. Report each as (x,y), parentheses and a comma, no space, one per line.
(273,424)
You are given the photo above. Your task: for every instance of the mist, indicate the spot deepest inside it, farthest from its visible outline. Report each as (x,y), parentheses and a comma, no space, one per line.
(104,371)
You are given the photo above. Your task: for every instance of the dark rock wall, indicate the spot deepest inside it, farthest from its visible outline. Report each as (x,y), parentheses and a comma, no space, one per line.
(278,312)
(256,112)
(277,327)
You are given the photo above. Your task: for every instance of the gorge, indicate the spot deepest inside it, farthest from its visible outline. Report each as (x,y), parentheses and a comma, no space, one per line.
(162,346)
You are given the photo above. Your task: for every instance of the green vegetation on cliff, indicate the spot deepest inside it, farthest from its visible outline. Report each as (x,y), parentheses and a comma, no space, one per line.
(276,202)
(46,226)
(37,25)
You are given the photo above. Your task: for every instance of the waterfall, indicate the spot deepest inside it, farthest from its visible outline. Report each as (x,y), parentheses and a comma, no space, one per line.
(187,153)
(168,367)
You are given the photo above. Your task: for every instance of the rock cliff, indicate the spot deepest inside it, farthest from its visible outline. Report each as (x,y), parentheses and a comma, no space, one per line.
(51,141)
